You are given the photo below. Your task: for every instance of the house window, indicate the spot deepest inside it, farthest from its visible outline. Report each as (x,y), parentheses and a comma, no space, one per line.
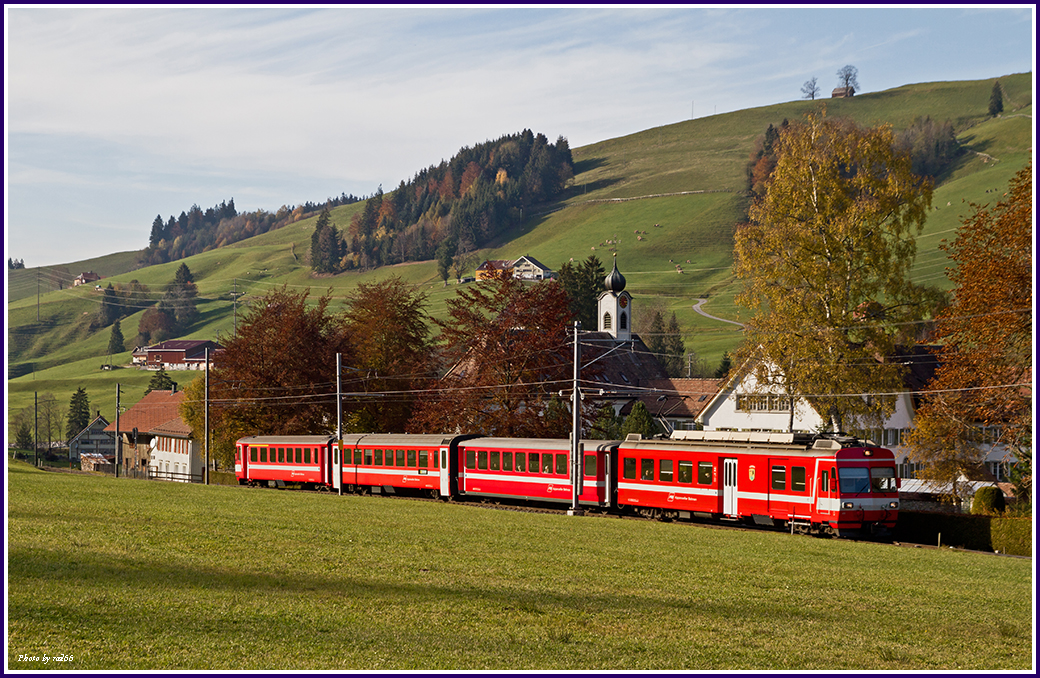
(606,321)
(623,321)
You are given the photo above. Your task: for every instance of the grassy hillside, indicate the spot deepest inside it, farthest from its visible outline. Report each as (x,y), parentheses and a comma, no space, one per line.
(659,198)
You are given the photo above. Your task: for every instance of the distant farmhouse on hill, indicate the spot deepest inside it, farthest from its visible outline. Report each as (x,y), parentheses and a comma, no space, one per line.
(524,268)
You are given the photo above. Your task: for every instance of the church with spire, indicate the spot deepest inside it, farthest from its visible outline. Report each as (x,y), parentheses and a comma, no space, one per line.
(615,306)
(623,367)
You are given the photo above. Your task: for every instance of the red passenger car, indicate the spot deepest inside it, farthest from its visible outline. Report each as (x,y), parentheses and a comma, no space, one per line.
(534,469)
(389,463)
(281,459)
(830,484)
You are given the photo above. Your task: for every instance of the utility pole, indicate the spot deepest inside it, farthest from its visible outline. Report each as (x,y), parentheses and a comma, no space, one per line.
(339,422)
(36,431)
(206,420)
(576,446)
(119,437)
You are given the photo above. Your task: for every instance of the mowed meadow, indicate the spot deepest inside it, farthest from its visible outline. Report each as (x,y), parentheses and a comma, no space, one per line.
(116,574)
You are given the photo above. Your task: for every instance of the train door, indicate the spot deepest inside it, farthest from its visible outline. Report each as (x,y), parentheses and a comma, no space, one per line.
(243,461)
(337,465)
(729,487)
(443,469)
(827,491)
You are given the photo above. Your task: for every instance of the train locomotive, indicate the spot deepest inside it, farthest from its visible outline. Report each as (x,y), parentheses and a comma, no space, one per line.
(810,483)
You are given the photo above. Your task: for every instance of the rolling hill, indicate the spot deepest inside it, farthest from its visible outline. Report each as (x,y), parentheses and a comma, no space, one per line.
(658,198)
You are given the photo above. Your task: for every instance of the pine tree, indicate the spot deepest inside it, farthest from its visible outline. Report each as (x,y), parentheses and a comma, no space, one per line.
(24,438)
(996,100)
(655,339)
(607,425)
(674,349)
(161,382)
(116,343)
(79,414)
(639,421)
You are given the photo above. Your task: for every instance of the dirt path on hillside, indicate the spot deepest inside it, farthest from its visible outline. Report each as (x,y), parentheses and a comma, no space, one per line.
(701,302)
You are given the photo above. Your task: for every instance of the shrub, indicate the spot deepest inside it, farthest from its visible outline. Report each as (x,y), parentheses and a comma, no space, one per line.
(988,500)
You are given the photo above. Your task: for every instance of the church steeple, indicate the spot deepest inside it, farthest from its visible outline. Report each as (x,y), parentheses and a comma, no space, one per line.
(615,306)
(614,282)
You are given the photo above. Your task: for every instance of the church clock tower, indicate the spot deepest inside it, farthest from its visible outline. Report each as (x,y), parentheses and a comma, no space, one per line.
(615,306)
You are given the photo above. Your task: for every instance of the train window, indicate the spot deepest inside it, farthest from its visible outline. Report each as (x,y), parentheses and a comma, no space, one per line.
(368,457)
(685,471)
(532,462)
(496,460)
(507,461)
(281,455)
(547,463)
(424,458)
(482,456)
(883,479)
(798,479)
(590,466)
(253,453)
(299,455)
(400,458)
(779,477)
(705,473)
(471,459)
(335,456)
(378,460)
(435,458)
(357,455)
(664,474)
(306,455)
(411,458)
(521,462)
(561,464)
(628,471)
(853,480)
(646,469)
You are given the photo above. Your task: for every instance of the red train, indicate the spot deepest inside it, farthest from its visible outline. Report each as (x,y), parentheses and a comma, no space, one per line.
(809,483)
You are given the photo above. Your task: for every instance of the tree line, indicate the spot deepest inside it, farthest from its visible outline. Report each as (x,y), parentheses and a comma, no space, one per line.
(197,230)
(932,147)
(449,209)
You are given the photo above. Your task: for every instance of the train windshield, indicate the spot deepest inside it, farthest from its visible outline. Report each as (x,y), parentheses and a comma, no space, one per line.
(883,479)
(854,480)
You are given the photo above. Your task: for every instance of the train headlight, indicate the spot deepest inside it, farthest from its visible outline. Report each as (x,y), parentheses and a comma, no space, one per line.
(847,505)
(893,504)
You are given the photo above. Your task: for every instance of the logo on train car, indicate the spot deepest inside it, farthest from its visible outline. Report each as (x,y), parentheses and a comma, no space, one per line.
(751,473)
(671,497)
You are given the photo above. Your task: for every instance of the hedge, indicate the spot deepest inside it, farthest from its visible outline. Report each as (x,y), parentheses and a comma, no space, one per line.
(976,532)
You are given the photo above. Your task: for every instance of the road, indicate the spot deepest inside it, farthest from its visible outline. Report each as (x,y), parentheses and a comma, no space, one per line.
(701,302)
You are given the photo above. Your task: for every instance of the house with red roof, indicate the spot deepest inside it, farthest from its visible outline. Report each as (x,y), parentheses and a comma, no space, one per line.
(156,441)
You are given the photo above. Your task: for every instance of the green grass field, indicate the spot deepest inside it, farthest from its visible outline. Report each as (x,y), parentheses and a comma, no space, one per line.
(136,575)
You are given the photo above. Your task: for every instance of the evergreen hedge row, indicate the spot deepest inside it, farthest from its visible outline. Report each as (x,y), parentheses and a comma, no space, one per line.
(976,532)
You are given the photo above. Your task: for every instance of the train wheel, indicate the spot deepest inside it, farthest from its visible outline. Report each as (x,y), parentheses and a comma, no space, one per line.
(433,494)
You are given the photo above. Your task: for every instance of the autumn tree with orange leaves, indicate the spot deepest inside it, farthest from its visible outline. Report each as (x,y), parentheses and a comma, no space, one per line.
(508,354)
(277,375)
(392,353)
(982,392)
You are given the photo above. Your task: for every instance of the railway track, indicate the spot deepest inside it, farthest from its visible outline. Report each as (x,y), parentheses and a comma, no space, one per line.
(594,512)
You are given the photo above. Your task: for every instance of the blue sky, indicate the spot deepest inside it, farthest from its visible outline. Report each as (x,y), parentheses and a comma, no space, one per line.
(115,115)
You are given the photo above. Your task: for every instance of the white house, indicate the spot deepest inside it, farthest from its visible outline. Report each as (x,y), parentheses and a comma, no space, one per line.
(175,455)
(737,407)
